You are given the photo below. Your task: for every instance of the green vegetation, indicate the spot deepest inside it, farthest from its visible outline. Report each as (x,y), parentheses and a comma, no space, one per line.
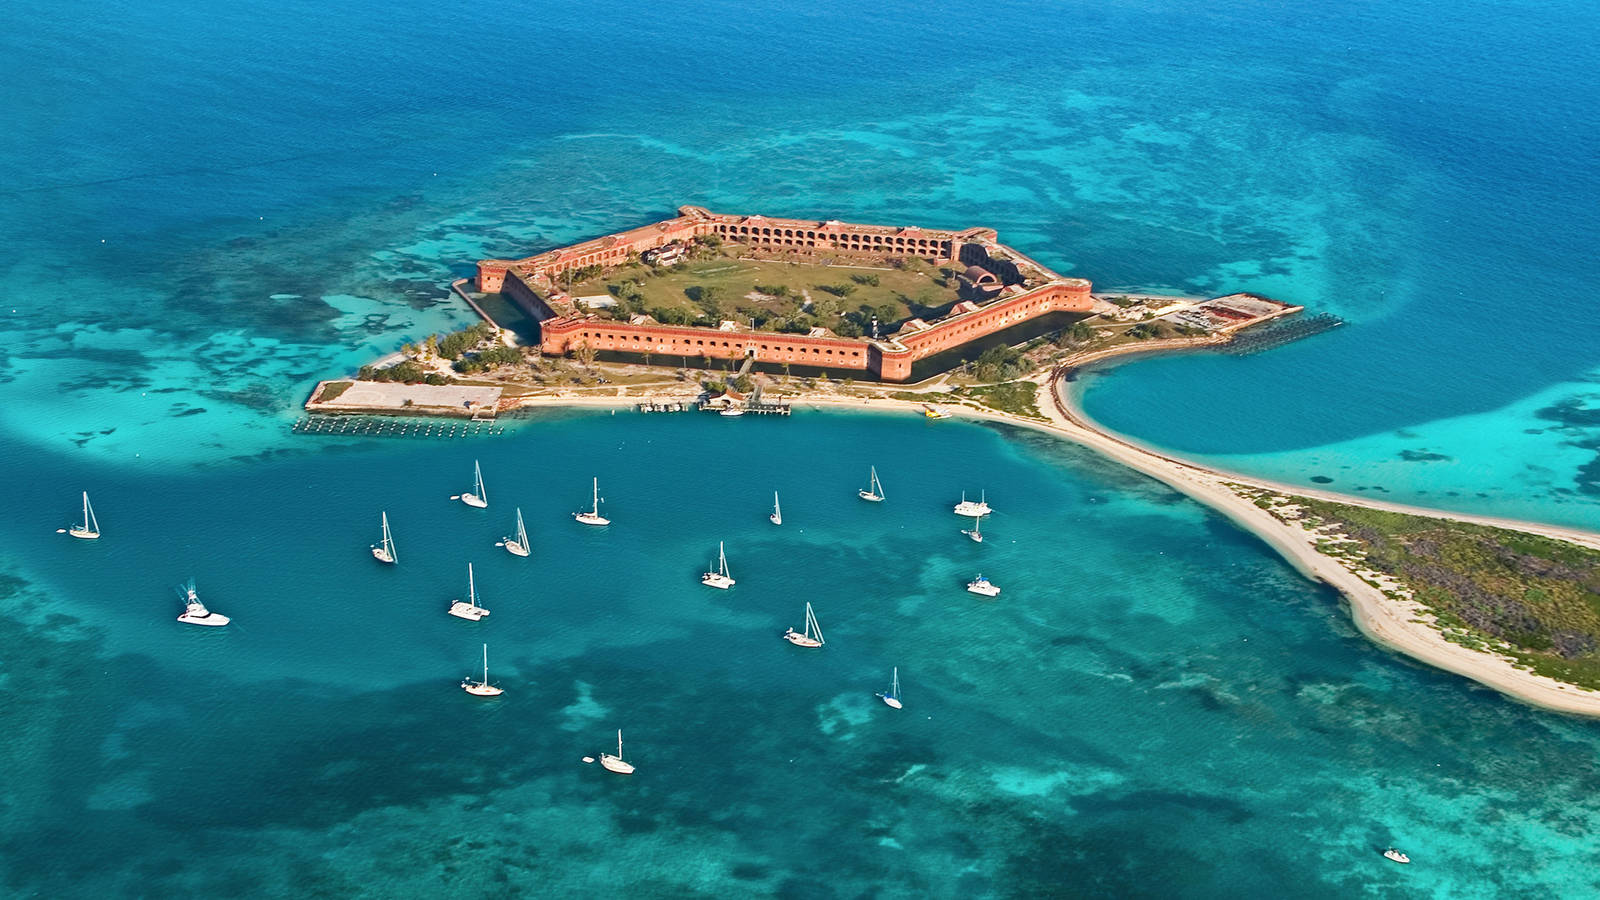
(1531,597)
(406,372)
(782,296)
(1020,398)
(333,390)
(453,345)
(1160,328)
(498,355)
(999,363)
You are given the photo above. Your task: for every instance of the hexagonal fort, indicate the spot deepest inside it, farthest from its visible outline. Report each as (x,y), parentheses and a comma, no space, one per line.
(987,287)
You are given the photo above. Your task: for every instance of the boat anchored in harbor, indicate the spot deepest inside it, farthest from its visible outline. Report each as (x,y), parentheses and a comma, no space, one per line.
(90,529)
(811,637)
(482,688)
(874,489)
(719,577)
(892,698)
(384,552)
(479,498)
(979,507)
(517,546)
(592,515)
(777,511)
(981,585)
(469,609)
(616,763)
(195,612)
(976,531)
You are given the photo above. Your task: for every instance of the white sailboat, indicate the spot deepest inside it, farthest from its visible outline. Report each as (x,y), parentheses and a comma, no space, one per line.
(811,637)
(482,688)
(1396,855)
(90,529)
(517,546)
(616,763)
(469,609)
(592,516)
(195,612)
(979,507)
(981,585)
(384,552)
(777,511)
(976,531)
(479,497)
(719,577)
(893,696)
(874,490)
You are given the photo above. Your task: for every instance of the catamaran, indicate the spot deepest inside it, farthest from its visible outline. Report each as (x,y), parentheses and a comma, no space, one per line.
(978,507)
(893,696)
(718,577)
(195,612)
(517,546)
(777,511)
(592,516)
(384,552)
(981,585)
(811,637)
(469,609)
(616,763)
(976,531)
(90,529)
(482,688)
(874,490)
(479,496)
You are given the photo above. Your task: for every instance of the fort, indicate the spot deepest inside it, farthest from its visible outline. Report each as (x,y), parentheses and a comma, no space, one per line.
(995,288)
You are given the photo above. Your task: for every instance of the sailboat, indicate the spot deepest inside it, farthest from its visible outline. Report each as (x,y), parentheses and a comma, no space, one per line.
(777,511)
(981,585)
(517,546)
(592,516)
(482,688)
(90,529)
(719,577)
(978,507)
(976,531)
(195,612)
(893,697)
(469,609)
(480,496)
(616,763)
(384,552)
(811,637)
(874,490)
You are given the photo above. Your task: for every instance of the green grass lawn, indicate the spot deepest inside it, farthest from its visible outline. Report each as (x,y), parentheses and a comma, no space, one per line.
(733,281)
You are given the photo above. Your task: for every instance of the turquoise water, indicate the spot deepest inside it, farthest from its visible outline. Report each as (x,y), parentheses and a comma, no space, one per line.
(1151,685)
(203,215)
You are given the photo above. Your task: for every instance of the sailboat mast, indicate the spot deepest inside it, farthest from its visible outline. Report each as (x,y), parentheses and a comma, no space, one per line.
(472,589)
(597,512)
(486,664)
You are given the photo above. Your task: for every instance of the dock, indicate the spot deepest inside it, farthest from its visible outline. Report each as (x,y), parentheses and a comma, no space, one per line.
(356,425)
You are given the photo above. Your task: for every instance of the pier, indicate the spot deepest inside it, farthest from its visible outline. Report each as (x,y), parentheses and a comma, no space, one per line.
(1280,332)
(395,427)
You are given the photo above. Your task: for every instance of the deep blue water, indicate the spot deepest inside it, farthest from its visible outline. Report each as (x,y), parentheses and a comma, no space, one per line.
(204,213)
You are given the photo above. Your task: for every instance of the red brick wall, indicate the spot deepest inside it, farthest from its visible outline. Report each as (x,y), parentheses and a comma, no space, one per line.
(562,335)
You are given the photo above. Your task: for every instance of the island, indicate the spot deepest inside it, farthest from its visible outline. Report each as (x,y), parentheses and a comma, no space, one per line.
(737,314)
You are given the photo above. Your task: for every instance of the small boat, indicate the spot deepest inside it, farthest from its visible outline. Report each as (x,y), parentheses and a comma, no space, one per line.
(384,552)
(981,585)
(933,412)
(592,516)
(195,612)
(731,412)
(616,763)
(874,490)
(482,688)
(719,577)
(90,529)
(811,637)
(479,497)
(893,696)
(469,609)
(777,511)
(976,531)
(1396,855)
(973,507)
(517,546)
